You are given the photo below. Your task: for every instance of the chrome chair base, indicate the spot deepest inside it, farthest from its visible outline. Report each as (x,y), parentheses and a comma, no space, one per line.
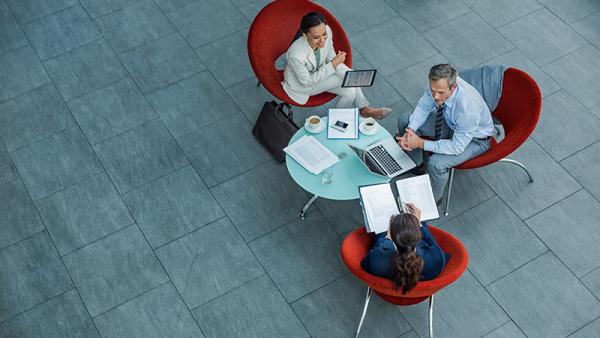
(506,160)
(306,206)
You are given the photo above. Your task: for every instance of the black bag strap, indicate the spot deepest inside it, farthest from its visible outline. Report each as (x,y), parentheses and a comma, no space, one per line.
(289,114)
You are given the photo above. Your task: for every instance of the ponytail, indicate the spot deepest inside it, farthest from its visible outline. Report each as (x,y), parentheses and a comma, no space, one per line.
(310,20)
(407,266)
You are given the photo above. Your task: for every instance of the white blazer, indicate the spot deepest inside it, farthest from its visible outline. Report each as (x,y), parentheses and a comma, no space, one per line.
(301,73)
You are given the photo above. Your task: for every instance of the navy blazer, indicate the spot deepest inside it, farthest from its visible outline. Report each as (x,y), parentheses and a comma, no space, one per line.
(378,261)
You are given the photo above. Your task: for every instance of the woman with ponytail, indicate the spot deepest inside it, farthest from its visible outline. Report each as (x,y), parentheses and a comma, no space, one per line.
(313,67)
(407,253)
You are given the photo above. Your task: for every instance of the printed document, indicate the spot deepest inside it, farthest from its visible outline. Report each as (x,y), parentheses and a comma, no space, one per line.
(311,154)
(417,190)
(379,205)
(346,115)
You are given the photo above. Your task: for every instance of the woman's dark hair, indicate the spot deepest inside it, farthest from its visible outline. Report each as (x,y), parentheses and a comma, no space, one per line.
(406,265)
(310,20)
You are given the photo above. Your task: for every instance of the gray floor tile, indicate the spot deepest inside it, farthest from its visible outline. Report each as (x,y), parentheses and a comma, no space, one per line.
(161,63)
(33,116)
(61,32)
(500,12)
(392,46)
(111,110)
(207,21)
(563,115)
(140,155)
(8,172)
(419,13)
(462,309)
(239,3)
(172,206)
(83,213)
(261,199)
(577,73)
(552,183)
(97,8)
(20,72)
(334,311)
(29,10)
(192,103)
(381,94)
(31,273)
(542,36)
(11,35)
(592,330)
(560,298)
(56,162)
(311,260)
(592,282)
(18,217)
(356,16)
(249,97)
(579,216)
(497,240)
(345,216)
(515,58)
(209,262)
(581,166)
(251,9)
(217,156)
(571,10)
(253,310)
(227,59)
(134,26)
(468,190)
(63,316)
(114,270)
(472,42)
(390,123)
(171,5)
(589,27)
(508,330)
(84,70)
(158,313)
(409,334)
(412,82)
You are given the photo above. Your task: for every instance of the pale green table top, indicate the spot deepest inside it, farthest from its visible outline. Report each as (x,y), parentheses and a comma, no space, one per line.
(348,174)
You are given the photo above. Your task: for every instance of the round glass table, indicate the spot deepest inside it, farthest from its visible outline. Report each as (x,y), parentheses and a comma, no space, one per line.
(348,174)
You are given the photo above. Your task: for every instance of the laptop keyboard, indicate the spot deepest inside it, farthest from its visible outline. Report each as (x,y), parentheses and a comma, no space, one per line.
(385,159)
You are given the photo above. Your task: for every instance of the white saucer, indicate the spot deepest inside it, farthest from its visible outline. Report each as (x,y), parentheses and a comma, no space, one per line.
(314,131)
(373,131)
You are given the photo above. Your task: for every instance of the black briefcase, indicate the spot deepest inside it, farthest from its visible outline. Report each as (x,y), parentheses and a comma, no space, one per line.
(274,128)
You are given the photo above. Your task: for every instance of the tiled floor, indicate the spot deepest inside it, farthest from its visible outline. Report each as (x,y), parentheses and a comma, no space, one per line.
(120,216)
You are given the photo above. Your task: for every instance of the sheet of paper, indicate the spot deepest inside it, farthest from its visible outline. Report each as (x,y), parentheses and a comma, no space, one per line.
(347,115)
(311,154)
(417,190)
(379,205)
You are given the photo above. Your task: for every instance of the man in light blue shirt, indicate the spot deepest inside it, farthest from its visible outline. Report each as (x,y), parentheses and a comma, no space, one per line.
(455,122)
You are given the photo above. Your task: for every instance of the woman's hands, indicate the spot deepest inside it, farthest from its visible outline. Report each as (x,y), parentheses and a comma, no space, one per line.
(412,209)
(338,59)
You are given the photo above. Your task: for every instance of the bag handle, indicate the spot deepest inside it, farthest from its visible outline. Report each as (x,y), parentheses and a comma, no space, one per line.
(289,114)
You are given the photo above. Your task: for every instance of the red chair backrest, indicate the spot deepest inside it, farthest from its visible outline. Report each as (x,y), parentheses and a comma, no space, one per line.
(271,35)
(357,244)
(519,110)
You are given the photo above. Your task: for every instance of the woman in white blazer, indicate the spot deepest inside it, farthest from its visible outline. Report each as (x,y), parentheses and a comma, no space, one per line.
(313,67)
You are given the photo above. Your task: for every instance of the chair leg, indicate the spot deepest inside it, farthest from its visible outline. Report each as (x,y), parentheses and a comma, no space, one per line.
(306,206)
(449,191)
(258,83)
(431,316)
(364,312)
(508,160)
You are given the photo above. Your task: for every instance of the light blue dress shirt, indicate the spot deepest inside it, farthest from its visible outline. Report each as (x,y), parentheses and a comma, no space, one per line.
(465,112)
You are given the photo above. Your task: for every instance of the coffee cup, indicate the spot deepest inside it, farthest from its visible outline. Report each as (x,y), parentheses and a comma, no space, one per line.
(369,124)
(313,122)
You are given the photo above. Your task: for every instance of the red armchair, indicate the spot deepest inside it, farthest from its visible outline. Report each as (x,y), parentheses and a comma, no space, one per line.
(356,246)
(270,36)
(519,111)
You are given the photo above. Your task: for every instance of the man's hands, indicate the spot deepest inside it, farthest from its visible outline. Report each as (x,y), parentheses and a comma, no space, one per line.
(338,59)
(410,140)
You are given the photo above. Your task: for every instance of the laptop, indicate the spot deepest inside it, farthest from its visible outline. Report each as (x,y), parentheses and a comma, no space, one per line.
(385,158)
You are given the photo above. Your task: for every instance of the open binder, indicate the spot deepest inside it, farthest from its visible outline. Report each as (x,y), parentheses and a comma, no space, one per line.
(380,202)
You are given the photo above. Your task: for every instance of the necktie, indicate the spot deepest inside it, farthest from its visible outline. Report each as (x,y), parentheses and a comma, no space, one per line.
(439,119)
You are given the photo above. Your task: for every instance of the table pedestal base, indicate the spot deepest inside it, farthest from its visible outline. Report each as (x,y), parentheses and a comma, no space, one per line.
(306,206)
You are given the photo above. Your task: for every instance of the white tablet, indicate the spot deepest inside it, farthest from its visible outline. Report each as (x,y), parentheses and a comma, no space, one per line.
(359,78)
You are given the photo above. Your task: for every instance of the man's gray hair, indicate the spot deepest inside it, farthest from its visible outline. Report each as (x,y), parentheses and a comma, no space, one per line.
(443,71)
